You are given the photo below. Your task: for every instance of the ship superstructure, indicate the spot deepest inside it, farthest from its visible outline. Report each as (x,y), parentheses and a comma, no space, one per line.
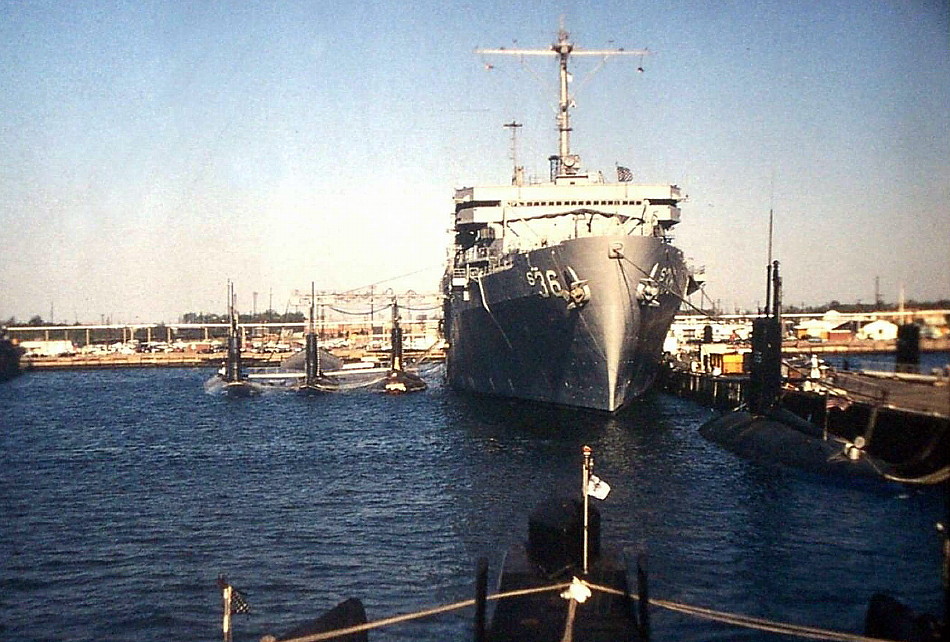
(562,291)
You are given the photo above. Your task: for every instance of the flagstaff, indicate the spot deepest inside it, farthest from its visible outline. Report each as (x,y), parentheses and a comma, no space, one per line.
(591,486)
(233,603)
(226,620)
(585,491)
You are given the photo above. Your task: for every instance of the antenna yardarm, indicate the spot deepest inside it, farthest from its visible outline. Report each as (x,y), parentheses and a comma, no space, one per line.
(563,49)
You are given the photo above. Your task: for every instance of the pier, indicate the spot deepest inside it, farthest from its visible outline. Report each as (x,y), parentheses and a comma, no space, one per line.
(116,360)
(350,334)
(922,394)
(192,359)
(895,417)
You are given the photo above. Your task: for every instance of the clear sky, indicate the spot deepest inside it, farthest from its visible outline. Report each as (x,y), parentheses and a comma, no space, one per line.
(153,150)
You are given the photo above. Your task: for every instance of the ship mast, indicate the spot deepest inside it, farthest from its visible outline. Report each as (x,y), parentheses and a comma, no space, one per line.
(563,49)
(517,175)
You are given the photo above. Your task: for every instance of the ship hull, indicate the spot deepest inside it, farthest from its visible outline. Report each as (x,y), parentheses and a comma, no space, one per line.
(514,332)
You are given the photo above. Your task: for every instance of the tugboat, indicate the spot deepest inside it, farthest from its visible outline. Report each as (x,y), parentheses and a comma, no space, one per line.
(315,381)
(398,381)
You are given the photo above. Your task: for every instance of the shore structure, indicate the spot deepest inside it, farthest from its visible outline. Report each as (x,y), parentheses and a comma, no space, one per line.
(562,291)
(828,331)
(351,325)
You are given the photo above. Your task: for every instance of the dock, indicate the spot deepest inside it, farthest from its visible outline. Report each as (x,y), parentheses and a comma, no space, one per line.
(915,393)
(928,395)
(192,359)
(142,360)
(899,418)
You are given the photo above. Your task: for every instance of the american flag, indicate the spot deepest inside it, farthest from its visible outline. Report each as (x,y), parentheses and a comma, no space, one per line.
(837,403)
(624,175)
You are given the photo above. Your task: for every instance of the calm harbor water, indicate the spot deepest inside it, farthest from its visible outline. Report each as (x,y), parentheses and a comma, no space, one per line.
(125,493)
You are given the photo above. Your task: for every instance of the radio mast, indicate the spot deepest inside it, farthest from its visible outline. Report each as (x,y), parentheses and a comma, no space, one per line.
(563,49)
(517,175)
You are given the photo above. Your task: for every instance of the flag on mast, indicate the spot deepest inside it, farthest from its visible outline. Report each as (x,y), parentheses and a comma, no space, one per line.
(236,602)
(624,175)
(597,487)
(239,602)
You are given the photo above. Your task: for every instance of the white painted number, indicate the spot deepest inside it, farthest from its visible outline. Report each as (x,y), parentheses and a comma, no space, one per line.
(553,283)
(547,282)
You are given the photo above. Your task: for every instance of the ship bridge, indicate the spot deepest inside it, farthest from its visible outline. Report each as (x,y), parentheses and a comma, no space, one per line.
(527,216)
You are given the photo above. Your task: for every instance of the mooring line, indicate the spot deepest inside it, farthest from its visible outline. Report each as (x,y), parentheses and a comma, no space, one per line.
(670,290)
(735,619)
(396,619)
(481,290)
(745,621)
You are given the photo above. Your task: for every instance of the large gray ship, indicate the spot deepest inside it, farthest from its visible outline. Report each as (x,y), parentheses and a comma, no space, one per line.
(562,291)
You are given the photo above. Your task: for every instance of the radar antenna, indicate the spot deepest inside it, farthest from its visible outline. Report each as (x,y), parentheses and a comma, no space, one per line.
(563,49)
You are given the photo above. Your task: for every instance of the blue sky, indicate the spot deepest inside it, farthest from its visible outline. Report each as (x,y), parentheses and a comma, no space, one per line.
(153,150)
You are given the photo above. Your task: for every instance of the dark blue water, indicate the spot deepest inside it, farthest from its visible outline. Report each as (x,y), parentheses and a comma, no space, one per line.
(125,493)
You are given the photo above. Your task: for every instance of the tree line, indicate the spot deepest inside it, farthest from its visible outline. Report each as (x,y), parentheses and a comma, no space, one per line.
(859,307)
(271,316)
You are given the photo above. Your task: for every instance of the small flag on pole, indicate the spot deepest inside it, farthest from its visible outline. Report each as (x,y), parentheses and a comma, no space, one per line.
(235,600)
(234,603)
(238,602)
(597,488)
(624,175)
